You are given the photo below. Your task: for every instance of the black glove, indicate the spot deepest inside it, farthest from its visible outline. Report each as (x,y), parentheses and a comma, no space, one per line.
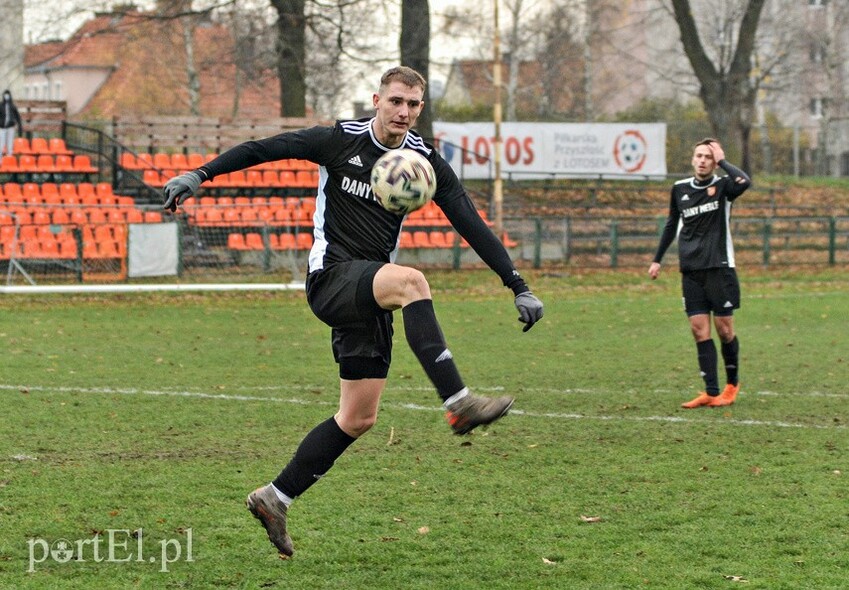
(180,188)
(530,309)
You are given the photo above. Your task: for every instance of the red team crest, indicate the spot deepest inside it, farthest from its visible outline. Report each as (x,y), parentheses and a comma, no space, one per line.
(711,191)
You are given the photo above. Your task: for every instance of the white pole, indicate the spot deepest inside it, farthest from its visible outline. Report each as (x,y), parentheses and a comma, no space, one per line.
(497,188)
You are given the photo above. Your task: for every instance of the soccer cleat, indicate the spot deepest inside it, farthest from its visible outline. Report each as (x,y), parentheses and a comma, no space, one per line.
(703,399)
(472,411)
(727,397)
(271,512)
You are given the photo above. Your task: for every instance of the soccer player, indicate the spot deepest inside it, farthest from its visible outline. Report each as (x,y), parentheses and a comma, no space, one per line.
(700,212)
(354,286)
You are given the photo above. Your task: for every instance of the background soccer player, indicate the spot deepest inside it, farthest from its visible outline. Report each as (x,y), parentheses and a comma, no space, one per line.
(354,286)
(700,213)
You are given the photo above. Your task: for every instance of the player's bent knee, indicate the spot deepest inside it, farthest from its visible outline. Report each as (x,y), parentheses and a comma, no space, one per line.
(356,426)
(415,285)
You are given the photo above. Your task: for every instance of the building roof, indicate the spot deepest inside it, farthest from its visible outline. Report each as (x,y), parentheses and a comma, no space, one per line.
(144,63)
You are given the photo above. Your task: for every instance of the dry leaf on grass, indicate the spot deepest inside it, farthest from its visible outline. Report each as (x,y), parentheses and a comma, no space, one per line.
(590,518)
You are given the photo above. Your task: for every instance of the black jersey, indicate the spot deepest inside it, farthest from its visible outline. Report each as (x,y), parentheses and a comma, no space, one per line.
(700,214)
(349,223)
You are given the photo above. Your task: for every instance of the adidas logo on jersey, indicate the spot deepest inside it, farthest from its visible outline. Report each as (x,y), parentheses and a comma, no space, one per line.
(356,161)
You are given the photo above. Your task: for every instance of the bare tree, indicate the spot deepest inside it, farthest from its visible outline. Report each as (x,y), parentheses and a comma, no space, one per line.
(727,87)
(415,50)
(291,40)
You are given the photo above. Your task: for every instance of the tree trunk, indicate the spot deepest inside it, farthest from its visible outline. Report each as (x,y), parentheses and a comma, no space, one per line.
(727,91)
(191,71)
(415,52)
(291,35)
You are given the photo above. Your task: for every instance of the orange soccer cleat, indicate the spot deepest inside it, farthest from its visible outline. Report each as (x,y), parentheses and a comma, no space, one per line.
(727,397)
(703,399)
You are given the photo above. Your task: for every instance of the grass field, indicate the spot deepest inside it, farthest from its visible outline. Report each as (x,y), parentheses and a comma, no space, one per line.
(159,413)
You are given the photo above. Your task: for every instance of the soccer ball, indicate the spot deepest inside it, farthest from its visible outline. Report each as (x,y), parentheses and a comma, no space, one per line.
(403,181)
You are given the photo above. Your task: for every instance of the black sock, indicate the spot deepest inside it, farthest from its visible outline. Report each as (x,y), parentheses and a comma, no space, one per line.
(731,355)
(428,344)
(314,457)
(707,364)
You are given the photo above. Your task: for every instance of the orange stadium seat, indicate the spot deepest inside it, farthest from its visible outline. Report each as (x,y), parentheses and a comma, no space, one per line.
(236,242)
(9,164)
(179,161)
(303,241)
(128,161)
(103,189)
(82,164)
(135,216)
(27,163)
(151,177)
(115,215)
(286,242)
(41,217)
(64,163)
(195,160)
(96,215)
(253,241)
(144,160)
(270,178)
(13,193)
(161,161)
(60,216)
(421,239)
(39,145)
(78,217)
(31,193)
(45,163)
(85,189)
(152,217)
(438,240)
(21,145)
(57,147)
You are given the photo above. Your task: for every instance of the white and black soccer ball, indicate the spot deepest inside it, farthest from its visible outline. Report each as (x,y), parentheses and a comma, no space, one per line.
(402,181)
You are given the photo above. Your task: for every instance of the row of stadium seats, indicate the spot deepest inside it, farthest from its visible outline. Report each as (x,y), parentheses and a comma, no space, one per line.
(236,215)
(303,240)
(47,164)
(66,193)
(191,161)
(76,215)
(46,242)
(243,178)
(40,145)
(283,241)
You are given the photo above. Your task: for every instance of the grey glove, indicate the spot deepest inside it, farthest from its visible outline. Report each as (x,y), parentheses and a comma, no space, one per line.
(180,188)
(530,309)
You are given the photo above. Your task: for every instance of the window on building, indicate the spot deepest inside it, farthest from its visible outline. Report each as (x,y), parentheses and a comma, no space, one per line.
(817,2)
(818,106)
(817,53)
(57,91)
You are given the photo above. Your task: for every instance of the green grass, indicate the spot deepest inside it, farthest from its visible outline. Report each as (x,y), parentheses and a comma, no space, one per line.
(161,412)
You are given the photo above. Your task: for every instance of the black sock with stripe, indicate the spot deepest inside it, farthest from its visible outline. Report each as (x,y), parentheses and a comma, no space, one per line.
(428,344)
(707,364)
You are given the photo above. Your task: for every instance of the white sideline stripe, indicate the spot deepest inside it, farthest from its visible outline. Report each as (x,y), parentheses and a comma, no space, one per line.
(302,402)
(39,289)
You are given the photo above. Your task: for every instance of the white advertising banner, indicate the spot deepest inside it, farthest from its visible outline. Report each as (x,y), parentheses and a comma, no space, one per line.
(540,150)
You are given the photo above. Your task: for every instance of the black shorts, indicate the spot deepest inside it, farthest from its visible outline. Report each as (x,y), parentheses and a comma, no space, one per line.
(715,290)
(341,295)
